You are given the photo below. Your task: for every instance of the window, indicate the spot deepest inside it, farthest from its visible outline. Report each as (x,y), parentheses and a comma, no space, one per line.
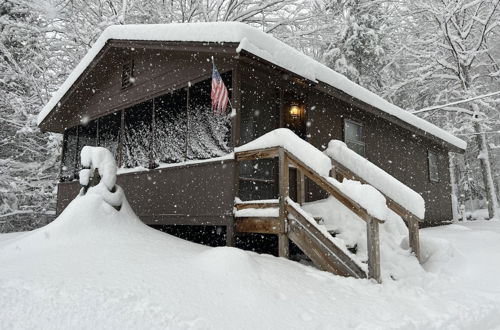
(433,160)
(170,127)
(353,136)
(137,135)
(109,132)
(209,134)
(128,74)
(87,136)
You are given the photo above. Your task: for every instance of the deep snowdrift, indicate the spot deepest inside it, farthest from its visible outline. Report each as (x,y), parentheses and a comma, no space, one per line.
(96,267)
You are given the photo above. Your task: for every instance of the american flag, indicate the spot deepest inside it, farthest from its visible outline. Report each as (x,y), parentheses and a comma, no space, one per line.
(219,94)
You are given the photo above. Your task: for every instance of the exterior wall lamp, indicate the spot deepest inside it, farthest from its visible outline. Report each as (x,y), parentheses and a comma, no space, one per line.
(296,110)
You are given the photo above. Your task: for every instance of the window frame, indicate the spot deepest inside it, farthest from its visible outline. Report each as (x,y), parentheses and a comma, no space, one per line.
(433,177)
(347,141)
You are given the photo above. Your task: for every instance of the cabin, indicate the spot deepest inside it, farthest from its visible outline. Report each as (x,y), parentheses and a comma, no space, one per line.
(143,92)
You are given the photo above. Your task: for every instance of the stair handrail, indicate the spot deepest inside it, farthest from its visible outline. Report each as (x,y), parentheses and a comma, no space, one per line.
(322,182)
(340,171)
(286,158)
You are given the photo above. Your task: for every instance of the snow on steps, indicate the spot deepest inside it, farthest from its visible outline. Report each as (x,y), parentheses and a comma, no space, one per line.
(316,242)
(327,252)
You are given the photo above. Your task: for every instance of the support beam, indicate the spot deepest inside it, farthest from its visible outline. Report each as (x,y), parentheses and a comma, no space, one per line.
(301,192)
(284,185)
(259,225)
(230,235)
(373,247)
(414,239)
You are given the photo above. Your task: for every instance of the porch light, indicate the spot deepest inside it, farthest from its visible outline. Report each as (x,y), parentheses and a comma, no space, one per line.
(295,110)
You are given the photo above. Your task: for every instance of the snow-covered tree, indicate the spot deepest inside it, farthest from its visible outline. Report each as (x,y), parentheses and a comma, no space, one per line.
(448,57)
(358,46)
(27,158)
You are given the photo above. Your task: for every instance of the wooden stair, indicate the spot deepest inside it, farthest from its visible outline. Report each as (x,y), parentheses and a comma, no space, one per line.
(303,230)
(320,246)
(292,223)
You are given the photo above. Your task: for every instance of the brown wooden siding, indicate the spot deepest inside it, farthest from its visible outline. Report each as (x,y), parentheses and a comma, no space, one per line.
(196,194)
(397,151)
(155,71)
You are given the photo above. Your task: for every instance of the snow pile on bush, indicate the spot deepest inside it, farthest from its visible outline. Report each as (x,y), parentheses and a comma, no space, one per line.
(377,177)
(101,159)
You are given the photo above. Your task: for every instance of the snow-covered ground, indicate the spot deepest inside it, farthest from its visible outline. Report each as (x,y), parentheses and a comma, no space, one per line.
(95,267)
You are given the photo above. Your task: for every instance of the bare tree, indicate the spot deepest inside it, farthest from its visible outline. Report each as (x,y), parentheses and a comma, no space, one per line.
(450,57)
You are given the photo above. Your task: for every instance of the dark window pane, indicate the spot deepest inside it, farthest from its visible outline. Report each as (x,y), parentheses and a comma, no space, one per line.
(109,132)
(353,131)
(260,110)
(170,127)
(259,113)
(433,167)
(209,134)
(69,157)
(357,147)
(87,136)
(137,135)
(353,137)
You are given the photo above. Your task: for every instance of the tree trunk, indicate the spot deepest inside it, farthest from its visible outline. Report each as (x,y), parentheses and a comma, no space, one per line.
(484,159)
(453,183)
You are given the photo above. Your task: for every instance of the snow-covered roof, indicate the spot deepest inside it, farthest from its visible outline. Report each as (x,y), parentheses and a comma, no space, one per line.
(256,42)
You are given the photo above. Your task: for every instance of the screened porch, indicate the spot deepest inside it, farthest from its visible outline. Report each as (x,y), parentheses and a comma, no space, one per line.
(175,127)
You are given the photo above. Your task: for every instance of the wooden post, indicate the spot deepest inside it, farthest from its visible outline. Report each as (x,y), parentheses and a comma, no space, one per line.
(284,186)
(301,193)
(235,139)
(186,151)
(373,247)
(63,153)
(414,238)
(230,233)
(152,136)
(236,104)
(77,156)
(121,138)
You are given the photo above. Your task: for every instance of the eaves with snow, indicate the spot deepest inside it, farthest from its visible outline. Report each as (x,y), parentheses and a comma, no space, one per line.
(258,43)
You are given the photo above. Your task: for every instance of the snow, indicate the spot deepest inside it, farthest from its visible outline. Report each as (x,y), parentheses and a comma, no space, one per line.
(101,159)
(396,260)
(365,195)
(338,242)
(283,137)
(221,159)
(96,267)
(377,177)
(256,42)
(252,212)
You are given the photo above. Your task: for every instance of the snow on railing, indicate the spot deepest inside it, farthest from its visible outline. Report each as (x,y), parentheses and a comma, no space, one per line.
(376,177)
